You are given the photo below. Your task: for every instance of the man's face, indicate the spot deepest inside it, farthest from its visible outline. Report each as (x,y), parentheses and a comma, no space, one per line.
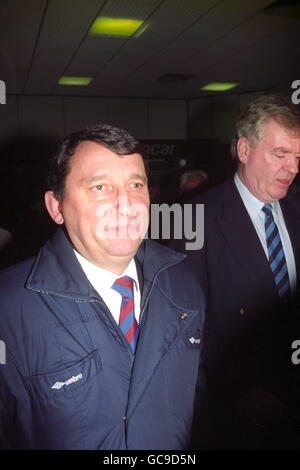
(268,169)
(106,205)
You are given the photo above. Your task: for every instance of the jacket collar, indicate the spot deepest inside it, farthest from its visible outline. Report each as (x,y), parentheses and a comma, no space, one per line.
(57,271)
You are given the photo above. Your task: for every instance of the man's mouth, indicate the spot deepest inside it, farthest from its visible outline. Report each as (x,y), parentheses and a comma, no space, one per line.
(119,228)
(284,182)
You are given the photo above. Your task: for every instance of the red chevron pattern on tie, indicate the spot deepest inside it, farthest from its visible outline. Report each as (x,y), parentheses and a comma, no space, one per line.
(127,320)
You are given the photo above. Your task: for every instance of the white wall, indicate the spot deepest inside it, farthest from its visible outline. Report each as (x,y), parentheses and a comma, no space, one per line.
(214,118)
(206,118)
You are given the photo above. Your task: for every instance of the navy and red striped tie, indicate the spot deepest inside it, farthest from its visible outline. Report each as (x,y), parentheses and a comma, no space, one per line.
(276,254)
(127,320)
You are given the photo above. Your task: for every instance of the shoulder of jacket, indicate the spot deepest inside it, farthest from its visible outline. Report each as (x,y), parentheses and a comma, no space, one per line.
(15,276)
(214,196)
(179,278)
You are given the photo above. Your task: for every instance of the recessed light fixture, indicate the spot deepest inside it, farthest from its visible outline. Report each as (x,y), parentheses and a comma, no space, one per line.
(219,86)
(77,81)
(123,27)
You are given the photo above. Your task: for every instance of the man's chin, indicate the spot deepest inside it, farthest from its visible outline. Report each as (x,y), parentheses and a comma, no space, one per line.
(280,194)
(126,247)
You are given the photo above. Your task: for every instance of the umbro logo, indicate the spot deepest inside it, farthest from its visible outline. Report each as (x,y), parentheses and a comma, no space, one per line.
(74,378)
(193,340)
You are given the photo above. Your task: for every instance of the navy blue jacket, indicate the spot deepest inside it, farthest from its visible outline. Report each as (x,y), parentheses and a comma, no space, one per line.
(71,380)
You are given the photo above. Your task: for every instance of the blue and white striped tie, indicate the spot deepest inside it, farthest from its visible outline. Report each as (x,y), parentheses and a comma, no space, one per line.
(276,254)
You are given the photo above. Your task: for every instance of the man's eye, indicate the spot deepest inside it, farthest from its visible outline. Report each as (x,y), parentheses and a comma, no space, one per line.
(136,185)
(100,187)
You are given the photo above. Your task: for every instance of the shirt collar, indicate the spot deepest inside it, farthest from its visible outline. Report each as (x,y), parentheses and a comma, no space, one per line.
(97,275)
(252,204)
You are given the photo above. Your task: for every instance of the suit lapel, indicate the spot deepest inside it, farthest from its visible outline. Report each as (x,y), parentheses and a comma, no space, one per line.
(292,221)
(239,232)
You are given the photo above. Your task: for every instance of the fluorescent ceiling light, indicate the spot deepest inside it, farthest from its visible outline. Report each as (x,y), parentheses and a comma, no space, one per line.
(81,81)
(115,26)
(219,86)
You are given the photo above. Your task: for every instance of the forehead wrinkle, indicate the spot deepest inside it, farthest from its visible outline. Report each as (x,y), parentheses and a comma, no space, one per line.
(139,176)
(284,150)
(92,179)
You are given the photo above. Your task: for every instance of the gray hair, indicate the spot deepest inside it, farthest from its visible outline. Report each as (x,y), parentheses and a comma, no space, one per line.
(252,120)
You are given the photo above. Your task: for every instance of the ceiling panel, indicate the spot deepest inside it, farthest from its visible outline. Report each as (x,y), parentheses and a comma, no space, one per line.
(64,26)
(159,33)
(237,41)
(229,58)
(96,53)
(212,26)
(19,26)
(224,40)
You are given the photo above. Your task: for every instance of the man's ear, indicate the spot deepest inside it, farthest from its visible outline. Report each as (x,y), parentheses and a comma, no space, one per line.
(243,149)
(53,207)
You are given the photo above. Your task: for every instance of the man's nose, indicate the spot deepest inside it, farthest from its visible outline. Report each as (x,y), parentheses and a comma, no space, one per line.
(293,165)
(122,203)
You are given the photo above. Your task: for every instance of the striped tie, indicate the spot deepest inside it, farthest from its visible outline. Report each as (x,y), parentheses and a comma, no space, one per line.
(127,321)
(276,254)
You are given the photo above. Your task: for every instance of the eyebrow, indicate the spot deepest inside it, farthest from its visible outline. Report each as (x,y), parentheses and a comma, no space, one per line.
(103,176)
(282,149)
(93,179)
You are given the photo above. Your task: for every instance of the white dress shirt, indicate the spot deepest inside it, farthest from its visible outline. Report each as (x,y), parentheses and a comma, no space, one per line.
(102,280)
(254,208)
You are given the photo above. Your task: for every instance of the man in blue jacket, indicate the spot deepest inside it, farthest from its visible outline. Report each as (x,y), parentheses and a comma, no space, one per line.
(102,329)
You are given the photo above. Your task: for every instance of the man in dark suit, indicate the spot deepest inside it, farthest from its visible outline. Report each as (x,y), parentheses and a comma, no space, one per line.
(251,315)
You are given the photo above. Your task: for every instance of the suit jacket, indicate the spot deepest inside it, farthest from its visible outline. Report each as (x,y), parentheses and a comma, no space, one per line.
(248,332)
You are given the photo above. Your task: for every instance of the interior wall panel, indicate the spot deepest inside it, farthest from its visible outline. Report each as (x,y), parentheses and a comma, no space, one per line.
(80,112)
(130,114)
(9,119)
(226,110)
(41,116)
(167,119)
(201,119)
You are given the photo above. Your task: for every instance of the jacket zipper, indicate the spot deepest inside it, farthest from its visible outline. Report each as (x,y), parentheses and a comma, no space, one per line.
(151,288)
